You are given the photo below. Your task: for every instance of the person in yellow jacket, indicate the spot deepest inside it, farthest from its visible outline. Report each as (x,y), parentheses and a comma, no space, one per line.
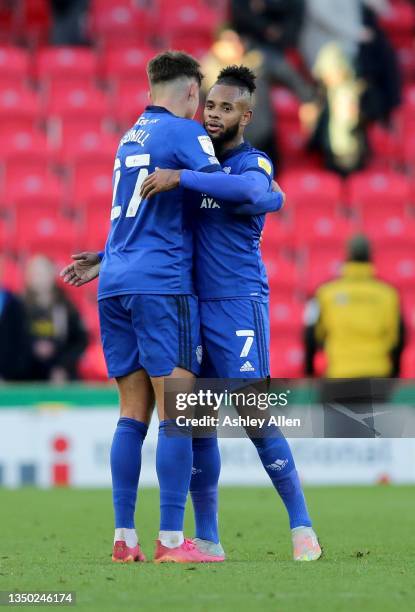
(356,319)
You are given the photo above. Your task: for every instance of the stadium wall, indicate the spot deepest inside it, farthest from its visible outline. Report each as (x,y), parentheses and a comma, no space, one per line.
(50,438)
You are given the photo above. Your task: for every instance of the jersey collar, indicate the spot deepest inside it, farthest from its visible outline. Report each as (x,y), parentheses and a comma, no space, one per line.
(151,108)
(244,146)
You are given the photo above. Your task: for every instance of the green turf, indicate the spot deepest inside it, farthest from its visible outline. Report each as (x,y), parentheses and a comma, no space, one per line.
(61,540)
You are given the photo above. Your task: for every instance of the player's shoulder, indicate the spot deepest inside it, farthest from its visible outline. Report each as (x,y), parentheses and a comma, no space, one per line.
(187,126)
(254,159)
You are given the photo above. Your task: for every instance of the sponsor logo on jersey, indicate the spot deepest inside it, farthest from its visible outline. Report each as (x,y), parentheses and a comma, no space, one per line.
(209,202)
(199,354)
(247,367)
(277,465)
(265,165)
(227,169)
(207,145)
(195,471)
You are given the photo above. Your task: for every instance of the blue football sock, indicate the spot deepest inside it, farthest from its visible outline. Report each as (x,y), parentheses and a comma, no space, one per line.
(174,467)
(277,459)
(204,487)
(125,469)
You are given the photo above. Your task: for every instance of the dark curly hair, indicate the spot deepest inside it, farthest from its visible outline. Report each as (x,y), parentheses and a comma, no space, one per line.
(238,76)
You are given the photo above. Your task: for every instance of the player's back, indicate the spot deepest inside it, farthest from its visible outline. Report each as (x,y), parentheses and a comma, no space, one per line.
(227,256)
(150,245)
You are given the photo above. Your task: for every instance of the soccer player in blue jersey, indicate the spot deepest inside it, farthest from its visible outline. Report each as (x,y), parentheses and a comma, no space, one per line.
(233,292)
(148,311)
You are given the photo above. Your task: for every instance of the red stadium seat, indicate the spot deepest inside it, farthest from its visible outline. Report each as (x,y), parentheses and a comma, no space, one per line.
(89,314)
(406,112)
(90,181)
(286,319)
(129,102)
(121,22)
(408,308)
(92,365)
(408,362)
(24,185)
(282,276)
(312,228)
(285,104)
(319,189)
(292,145)
(399,21)
(44,203)
(19,108)
(47,233)
(408,148)
(64,64)
(287,358)
(96,223)
(384,228)
(4,235)
(385,145)
(178,19)
(76,101)
(61,134)
(33,23)
(397,267)
(80,143)
(277,236)
(380,190)
(406,59)
(324,264)
(23,143)
(14,66)
(127,64)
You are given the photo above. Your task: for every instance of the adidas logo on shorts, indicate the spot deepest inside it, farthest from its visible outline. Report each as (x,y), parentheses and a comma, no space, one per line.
(247,367)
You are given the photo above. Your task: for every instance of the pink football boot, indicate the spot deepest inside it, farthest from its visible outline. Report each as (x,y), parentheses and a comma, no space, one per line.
(185,553)
(124,554)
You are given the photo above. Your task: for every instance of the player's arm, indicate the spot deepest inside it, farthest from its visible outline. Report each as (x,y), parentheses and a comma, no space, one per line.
(250,187)
(203,173)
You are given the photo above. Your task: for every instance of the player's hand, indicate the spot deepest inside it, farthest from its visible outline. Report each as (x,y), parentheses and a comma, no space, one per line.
(277,189)
(84,269)
(160,180)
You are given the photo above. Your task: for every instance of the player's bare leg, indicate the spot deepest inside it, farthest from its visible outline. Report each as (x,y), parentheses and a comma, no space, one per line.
(174,468)
(136,406)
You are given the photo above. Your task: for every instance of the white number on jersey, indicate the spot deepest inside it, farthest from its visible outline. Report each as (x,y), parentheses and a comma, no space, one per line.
(249,335)
(131,161)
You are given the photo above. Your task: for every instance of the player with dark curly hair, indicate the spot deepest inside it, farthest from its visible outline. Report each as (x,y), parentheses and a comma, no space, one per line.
(232,287)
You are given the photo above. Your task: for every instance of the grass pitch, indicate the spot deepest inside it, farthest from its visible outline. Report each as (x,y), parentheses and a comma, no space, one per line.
(60,540)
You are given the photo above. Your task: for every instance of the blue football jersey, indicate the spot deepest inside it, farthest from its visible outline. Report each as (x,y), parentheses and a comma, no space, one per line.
(150,244)
(228,261)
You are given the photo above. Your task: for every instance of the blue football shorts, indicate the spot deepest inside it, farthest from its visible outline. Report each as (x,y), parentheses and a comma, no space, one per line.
(235,338)
(154,332)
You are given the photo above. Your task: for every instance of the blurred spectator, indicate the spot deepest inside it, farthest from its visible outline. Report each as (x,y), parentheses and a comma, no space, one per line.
(357,320)
(353,26)
(272,23)
(272,26)
(230,49)
(378,64)
(69,22)
(336,124)
(13,336)
(333,20)
(58,337)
